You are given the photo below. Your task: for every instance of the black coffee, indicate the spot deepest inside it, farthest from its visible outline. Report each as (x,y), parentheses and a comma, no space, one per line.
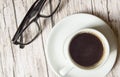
(86,49)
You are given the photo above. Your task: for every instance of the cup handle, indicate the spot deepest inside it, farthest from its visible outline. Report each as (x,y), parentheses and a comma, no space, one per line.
(65,70)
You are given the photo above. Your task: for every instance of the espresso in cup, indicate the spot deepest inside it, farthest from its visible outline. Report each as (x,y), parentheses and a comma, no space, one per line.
(86,49)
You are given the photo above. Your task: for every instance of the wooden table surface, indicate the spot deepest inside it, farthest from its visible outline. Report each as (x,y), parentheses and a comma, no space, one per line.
(31,61)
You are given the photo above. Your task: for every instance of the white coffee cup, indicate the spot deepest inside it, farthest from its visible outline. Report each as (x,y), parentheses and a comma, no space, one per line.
(72,64)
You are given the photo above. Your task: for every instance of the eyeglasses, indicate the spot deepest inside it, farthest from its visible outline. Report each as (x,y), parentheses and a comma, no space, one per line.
(30,22)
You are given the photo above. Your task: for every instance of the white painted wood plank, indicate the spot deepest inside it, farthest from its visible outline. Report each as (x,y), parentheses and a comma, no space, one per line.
(30,61)
(6,22)
(16,62)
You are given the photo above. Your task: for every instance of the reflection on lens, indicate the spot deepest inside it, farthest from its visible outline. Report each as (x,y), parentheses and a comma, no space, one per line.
(30,32)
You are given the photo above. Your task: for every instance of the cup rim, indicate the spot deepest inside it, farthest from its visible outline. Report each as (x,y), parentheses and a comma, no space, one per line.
(101,37)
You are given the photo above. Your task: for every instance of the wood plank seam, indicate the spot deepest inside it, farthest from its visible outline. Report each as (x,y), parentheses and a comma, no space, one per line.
(13,3)
(45,55)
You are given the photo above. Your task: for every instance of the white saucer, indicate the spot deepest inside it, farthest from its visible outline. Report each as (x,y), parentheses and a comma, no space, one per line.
(55,42)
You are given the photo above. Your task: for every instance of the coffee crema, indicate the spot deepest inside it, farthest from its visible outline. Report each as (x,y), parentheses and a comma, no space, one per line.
(86,49)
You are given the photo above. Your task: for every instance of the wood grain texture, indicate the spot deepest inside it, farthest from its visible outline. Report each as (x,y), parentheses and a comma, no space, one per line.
(32,57)
(31,61)
(7,20)
(16,62)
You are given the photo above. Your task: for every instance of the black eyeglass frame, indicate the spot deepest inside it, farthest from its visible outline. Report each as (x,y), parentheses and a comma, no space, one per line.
(32,16)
